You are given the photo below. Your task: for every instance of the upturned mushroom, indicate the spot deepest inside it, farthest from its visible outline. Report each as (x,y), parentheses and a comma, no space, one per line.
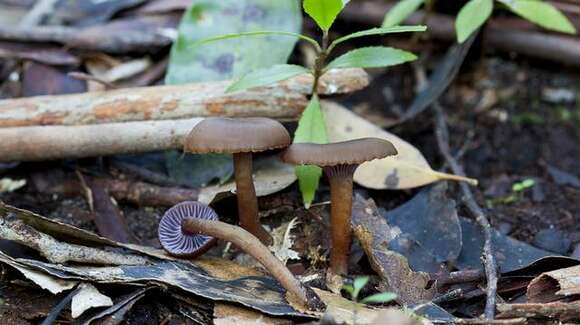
(339,162)
(240,137)
(177,240)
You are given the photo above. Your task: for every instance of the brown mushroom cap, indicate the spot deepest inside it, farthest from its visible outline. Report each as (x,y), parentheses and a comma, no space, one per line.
(351,152)
(228,135)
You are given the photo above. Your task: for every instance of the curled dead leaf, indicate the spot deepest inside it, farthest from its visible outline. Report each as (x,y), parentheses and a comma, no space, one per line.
(408,169)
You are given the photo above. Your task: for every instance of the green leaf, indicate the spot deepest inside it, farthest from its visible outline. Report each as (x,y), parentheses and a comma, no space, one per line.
(266,76)
(311,129)
(379,31)
(379,298)
(324,12)
(256,33)
(472,16)
(401,11)
(372,57)
(358,284)
(232,57)
(348,288)
(541,13)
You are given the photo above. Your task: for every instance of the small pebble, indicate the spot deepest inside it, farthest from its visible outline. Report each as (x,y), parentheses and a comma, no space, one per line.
(552,240)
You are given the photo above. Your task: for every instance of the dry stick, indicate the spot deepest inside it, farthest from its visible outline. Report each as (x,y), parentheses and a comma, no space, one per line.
(139,193)
(442,134)
(95,38)
(497,34)
(35,143)
(460,277)
(252,246)
(282,101)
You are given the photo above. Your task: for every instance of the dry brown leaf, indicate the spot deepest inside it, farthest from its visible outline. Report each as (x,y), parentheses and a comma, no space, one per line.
(374,234)
(406,170)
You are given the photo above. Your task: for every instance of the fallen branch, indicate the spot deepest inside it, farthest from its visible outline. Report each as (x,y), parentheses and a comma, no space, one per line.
(562,311)
(442,134)
(138,34)
(60,253)
(284,101)
(34,143)
(504,34)
(139,193)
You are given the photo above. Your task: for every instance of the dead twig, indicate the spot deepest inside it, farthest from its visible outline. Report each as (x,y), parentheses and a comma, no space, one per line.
(139,193)
(490,264)
(460,277)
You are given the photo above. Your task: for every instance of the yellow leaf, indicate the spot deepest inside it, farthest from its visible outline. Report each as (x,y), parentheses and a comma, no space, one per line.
(408,169)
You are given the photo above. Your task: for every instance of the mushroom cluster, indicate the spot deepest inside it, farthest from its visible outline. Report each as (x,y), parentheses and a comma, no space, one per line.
(241,138)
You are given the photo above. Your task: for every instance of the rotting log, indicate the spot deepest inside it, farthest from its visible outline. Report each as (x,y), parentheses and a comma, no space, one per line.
(283,101)
(509,35)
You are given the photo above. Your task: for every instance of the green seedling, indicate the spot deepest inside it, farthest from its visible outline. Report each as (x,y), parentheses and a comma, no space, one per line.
(518,190)
(311,127)
(354,291)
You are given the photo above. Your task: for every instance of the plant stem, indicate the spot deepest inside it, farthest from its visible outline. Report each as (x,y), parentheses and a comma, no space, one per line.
(252,246)
(246,197)
(319,63)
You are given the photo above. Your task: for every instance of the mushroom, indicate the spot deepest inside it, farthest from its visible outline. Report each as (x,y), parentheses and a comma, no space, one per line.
(240,137)
(339,161)
(178,241)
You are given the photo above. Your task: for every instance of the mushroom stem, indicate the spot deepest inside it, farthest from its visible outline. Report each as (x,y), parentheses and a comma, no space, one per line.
(247,200)
(252,246)
(341,180)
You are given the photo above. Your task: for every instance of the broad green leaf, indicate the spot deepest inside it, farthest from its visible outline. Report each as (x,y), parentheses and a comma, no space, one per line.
(472,16)
(358,284)
(408,169)
(401,11)
(232,57)
(382,298)
(324,12)
(266,76)
(541,13)
(311,129)
(379,31)
(372,57)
